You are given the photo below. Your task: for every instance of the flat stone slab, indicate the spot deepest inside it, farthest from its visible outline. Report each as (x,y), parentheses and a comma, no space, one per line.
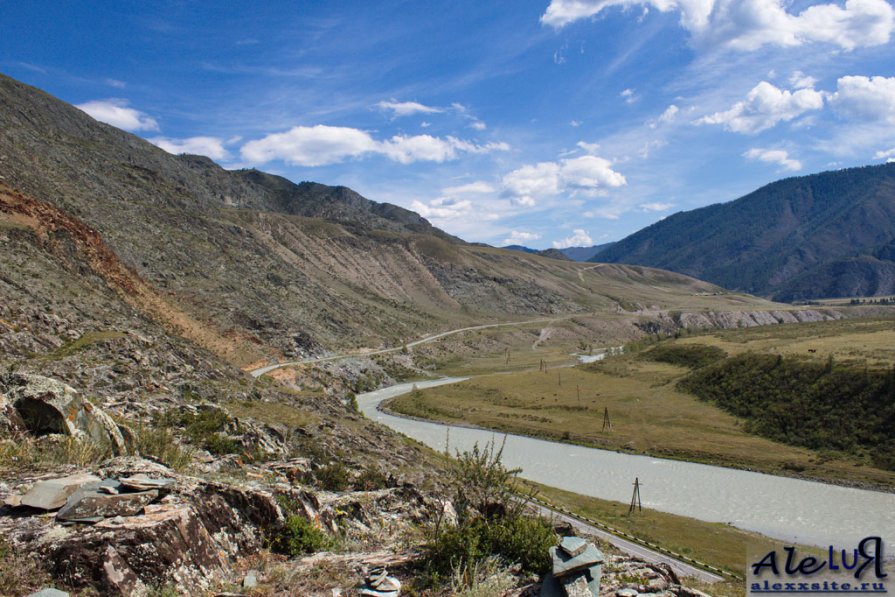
(375,593)
(143,482)
(564,564)
(574,546)
(582,584)
(93,506)
(49,593)
(53,493)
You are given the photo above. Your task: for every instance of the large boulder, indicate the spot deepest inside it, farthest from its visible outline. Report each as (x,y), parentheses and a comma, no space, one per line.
(46,406)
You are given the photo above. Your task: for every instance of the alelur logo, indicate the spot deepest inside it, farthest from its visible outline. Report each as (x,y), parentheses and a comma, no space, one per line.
(827,573)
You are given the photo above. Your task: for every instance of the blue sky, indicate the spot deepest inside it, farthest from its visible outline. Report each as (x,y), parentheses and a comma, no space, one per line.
(547,123)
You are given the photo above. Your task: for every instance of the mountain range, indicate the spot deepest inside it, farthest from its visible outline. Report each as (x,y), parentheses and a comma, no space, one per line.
(830,234)
(102,227)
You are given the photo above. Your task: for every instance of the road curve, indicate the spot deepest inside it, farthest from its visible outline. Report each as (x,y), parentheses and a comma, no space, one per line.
(268,368)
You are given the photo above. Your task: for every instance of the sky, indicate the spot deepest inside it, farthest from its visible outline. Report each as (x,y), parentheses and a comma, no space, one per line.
(547,123)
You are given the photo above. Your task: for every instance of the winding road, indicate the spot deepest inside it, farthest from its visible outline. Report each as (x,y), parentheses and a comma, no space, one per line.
(268,368)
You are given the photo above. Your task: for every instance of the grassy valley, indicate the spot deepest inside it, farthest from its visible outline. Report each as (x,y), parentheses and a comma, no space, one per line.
(653,412)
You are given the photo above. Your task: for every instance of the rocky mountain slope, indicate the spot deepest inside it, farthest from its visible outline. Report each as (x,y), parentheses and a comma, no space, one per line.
(279,269)
(823,235)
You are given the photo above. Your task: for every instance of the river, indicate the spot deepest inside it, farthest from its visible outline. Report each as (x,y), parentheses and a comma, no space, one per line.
(780,507)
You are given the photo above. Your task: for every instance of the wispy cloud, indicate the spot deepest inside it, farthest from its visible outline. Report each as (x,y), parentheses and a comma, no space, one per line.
(406,108)
(211,147)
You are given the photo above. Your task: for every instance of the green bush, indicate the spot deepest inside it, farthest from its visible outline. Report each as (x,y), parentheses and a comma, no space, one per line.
(299,536)
(333,477)
(491,519)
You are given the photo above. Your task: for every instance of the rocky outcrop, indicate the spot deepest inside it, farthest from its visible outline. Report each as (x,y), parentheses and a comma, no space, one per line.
(45,406)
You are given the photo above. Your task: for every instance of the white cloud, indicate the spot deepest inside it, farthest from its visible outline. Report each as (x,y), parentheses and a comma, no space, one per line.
(765,106)
(750,24)
(207,146)
(116,83)
(518,237)
(774,156)
(478,125)
(574,123)
(320,145)
(628,95)
(886,154)
(444,208)
(800,80)
(406,108)
(477,187)
(656,206)
(588,174)
(310,146)
(115,111)
(579,238)
(865,98)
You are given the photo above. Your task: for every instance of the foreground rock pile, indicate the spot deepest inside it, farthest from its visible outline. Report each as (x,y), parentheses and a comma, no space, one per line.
(133,524)
(576,570)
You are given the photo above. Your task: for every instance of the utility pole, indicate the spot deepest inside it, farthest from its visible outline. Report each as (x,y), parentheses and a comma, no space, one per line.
(578,389)
(606,422)
(635,498)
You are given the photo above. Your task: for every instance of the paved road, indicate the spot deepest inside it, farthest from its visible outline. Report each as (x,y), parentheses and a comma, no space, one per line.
(267,369)
(631,548)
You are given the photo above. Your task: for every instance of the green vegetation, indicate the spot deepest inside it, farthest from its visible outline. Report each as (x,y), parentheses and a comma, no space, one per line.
(490,521)
(86,340)
(204,428)
(691,356)
(822,406)
(160,443)
(297,535)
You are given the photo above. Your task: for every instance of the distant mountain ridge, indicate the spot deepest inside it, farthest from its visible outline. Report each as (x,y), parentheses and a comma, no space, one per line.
(830,234)
(572,253)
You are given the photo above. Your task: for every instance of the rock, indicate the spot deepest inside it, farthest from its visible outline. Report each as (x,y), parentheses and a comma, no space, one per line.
(374,593)
(577,586)
(142,482)
(389,583)
(93,506)
(120,577)
(573,546)
(551,587)
(52,494)
(10,420)
(49,593)
(251,580)
(47,406)
(564,564)
(626,593)
(691,592)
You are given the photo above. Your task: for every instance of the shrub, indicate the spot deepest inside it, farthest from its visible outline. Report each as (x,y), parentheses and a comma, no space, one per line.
(491,519)
(333,477)
(298,536)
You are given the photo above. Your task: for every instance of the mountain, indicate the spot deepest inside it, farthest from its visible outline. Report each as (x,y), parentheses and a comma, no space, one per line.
(252,266)
(569,253)
(584,253)
(823,235)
